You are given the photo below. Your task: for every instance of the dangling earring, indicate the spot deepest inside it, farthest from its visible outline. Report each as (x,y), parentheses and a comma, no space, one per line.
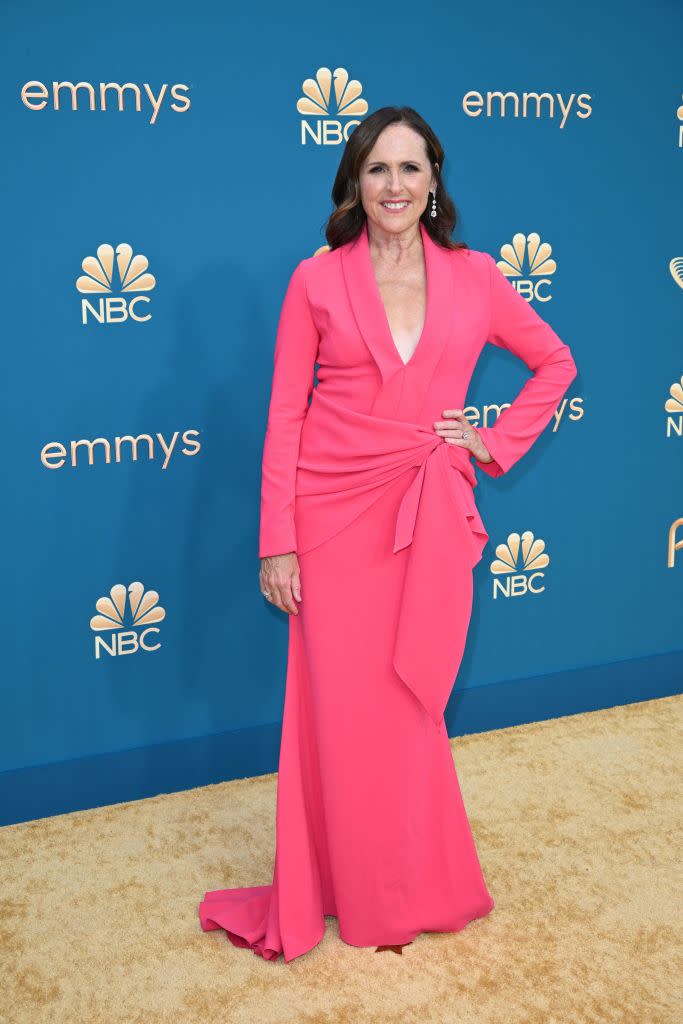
(433,213)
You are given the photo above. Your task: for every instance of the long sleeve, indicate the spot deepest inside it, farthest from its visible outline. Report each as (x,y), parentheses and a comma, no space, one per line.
(296,348)
(517,326)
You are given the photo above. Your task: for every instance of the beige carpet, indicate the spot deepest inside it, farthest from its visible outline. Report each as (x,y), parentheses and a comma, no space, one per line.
(575,821)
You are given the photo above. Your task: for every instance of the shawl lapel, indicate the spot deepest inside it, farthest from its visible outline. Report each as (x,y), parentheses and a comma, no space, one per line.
(444,295)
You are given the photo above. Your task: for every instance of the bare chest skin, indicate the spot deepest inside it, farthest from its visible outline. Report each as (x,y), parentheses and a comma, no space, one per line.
(404,295)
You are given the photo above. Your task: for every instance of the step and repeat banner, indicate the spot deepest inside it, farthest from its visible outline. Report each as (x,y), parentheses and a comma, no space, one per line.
(164,169)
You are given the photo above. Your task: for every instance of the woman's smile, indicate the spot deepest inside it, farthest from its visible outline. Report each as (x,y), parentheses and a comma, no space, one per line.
(395,205)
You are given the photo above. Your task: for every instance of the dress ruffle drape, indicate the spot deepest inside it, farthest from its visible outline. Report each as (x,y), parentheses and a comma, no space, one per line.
(345,460)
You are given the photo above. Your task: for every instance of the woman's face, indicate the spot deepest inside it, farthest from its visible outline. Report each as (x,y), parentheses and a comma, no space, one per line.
(396,169)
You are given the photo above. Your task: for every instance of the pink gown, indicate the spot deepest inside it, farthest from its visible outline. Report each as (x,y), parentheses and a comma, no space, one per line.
(370,821)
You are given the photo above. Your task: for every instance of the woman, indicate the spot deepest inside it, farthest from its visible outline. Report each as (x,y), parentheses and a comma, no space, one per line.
(369,533)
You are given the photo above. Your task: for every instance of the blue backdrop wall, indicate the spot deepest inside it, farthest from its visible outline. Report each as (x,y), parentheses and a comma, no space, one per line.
(175,136)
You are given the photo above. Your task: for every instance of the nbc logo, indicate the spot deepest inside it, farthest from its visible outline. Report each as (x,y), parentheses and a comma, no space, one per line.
(674,406)
(536,254)
(127,633)
(676,270)
(518,564)
(317,103)
(99,280)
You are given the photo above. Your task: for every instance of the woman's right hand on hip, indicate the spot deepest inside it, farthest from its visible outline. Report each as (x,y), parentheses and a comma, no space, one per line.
(280,581)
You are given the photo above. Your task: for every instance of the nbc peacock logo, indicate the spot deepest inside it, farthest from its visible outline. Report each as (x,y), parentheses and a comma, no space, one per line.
(518,566)
(674,407)
(322,113)
(528,263)
(127,621)
(676,270)
(110,290)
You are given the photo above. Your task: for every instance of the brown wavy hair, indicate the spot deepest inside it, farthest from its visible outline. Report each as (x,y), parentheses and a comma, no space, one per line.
(347,219)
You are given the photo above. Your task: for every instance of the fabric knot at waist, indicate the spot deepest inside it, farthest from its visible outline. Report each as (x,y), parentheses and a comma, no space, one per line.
(346,461)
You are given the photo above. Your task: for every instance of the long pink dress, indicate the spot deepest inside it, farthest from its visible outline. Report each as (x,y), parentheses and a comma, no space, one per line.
(370,822)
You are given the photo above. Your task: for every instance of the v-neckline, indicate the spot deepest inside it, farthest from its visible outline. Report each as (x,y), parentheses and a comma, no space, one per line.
(425,249)
(448,289)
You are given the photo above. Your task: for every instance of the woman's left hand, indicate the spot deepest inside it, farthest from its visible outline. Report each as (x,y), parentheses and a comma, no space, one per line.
(454,429)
